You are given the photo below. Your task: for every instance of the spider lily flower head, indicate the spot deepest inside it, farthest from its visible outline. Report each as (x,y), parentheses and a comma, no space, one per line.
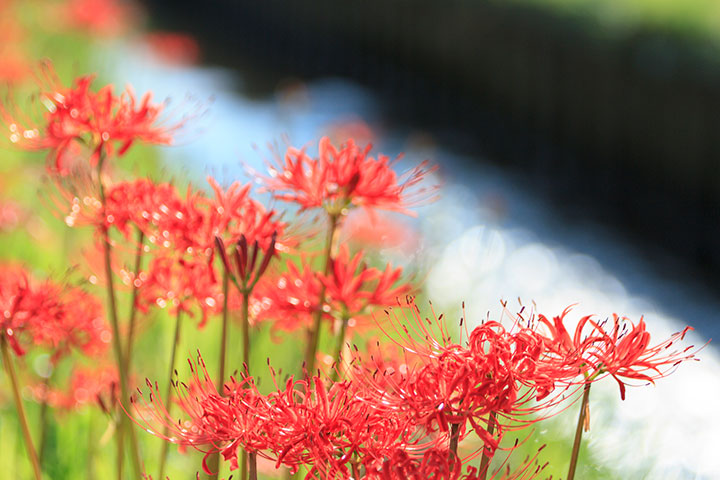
(156,209)
(101,121)
(324,426)
(212,422)
(87,386)
(51,316)
(288,299)
(230,214)
(461,384)
(97,17)
(352,287)
(616,347)
(345,177)
(181,285)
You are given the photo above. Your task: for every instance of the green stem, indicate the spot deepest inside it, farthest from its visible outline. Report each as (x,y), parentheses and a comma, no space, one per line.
(251,458)
(117,346)
(214,461)
(91,449)
(578,431)
(133,305)
(168,391)
(314,334)
(44,407)
(485,462)
(246,330)
(120,450)
(20,409)
(339,346)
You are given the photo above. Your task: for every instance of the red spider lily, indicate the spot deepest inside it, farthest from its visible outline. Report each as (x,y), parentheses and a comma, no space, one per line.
(215,422)
(619,348)
(289,299)
(98,120)
(303,422)
(230,214)
(453,386)
(379,232)
(342,178)
(56,317)
(78,323)
(173,48)
(98,17)
(10,215)
(154,208)
(180,284)
(435,464)
(351,286)
(13,64)
(87,386)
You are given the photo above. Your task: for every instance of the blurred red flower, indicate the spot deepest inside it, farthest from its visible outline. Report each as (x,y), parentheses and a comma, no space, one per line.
(101,121)
(341,178)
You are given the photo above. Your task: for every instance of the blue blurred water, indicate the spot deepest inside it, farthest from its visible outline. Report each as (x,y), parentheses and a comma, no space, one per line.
(488,237)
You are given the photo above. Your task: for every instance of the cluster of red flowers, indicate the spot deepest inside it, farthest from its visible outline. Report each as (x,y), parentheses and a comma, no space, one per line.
(50,316)
(392,414)
(394,418)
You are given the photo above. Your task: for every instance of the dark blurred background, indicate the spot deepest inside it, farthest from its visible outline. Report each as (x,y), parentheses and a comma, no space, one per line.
(611,114)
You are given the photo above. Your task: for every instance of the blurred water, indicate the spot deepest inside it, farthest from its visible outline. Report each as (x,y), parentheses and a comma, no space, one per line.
(488,237)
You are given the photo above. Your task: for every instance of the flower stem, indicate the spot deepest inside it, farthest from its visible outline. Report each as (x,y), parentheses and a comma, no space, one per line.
(578,431)
(91,448)
(314,334)
(117,346)
(485,462)
(246,330)
(339,347)
(44,407)
(20,409)
(214,461)
(133,305)
(251,458)
(454,438)
(168,392)
(253,466)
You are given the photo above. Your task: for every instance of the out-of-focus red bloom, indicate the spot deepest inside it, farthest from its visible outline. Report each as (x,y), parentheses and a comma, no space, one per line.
(98,17)
(101,121)
(56,317)
(78,324)
(10,215)
(289,299)
(87,386)
(13,64)
(618,348)
(378,231)
(354,128)
(342,178)
(13,60)
(181,284)
(154,208)
(351,287)
(229,214)
(173,48)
